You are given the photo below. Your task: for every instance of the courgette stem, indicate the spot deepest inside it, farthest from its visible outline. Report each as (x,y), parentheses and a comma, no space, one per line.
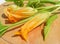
(48,25)
(50,1)
(49,7)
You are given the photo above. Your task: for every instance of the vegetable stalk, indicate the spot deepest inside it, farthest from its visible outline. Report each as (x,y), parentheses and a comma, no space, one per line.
(48,24)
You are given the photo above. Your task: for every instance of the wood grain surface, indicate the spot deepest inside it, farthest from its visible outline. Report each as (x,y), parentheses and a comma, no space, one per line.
(35,36)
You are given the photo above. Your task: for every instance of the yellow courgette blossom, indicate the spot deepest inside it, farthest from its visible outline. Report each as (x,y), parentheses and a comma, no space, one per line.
(16,13)
(37,20)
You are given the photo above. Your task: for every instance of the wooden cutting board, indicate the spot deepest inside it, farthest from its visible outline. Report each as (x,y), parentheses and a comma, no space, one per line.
(35,36)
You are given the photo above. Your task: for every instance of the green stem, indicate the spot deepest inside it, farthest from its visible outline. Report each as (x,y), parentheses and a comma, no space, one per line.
(48,7)
(48,24)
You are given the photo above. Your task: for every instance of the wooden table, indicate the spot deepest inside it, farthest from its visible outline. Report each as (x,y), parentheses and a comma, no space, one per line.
(35,36)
